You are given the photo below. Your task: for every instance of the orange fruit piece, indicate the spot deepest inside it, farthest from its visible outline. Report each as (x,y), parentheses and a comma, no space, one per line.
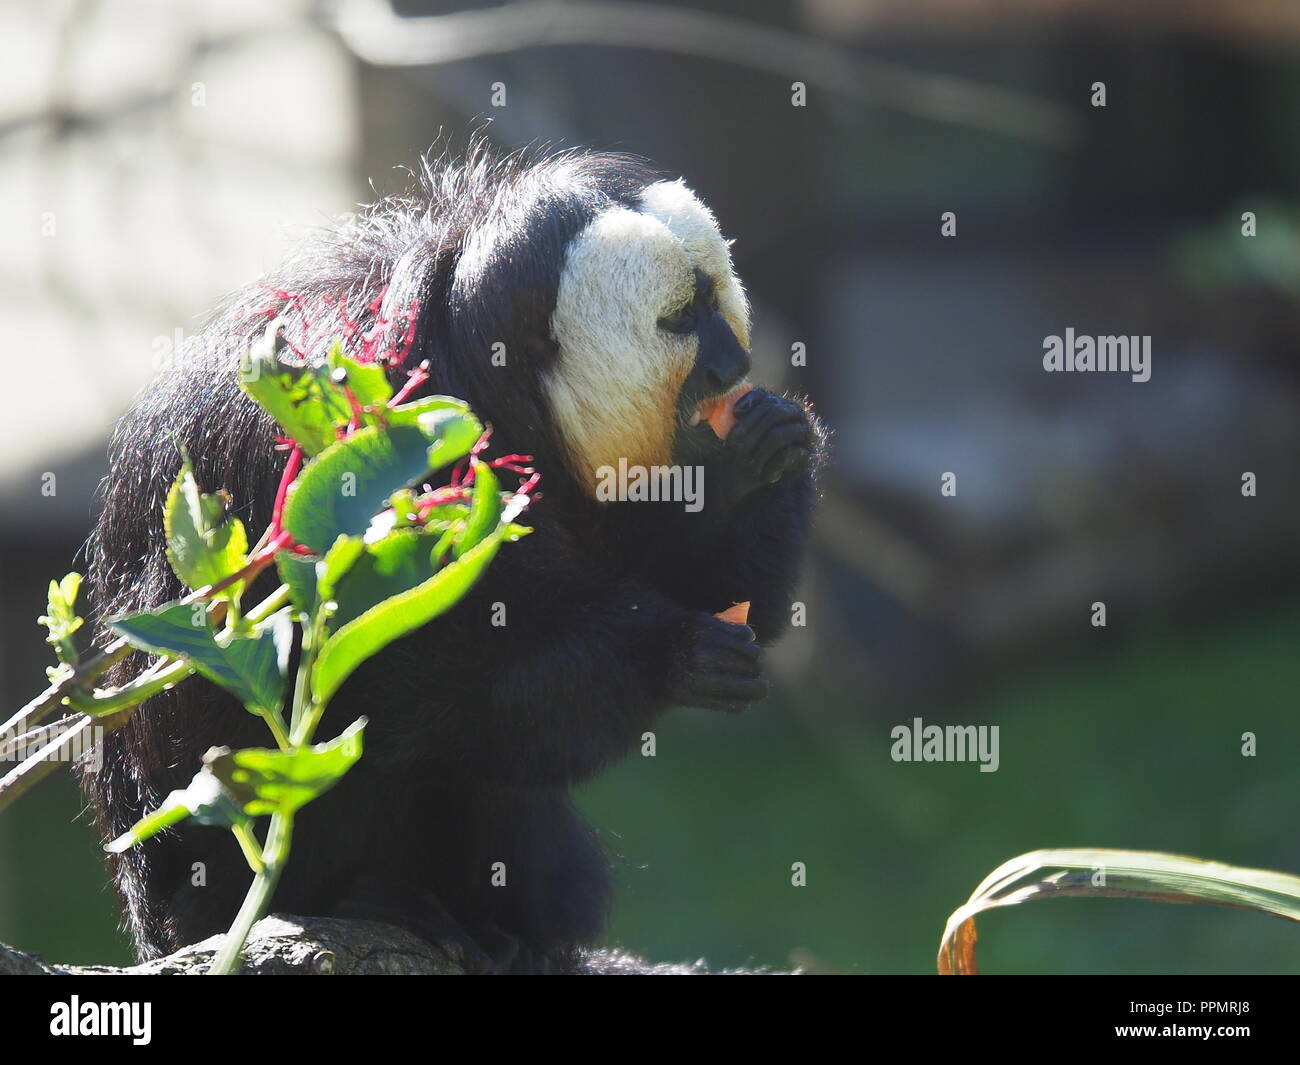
(721,413)
(737,615)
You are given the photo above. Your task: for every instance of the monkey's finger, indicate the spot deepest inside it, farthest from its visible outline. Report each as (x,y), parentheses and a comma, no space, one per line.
(722,691)
(738,633)
(776,441)
(728,660)
(728,640)
(785,463)
(762,415)
(756,423)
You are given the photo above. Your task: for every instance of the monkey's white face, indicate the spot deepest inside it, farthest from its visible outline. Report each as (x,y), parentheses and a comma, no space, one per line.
(615,387)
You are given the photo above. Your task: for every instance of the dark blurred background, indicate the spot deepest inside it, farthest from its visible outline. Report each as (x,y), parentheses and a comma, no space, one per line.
(154,156)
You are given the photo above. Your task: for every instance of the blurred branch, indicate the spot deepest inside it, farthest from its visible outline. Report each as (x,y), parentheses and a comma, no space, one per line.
(1245,18)
(379,36)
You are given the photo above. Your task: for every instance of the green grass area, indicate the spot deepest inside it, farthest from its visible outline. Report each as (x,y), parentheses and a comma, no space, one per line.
(57,901)
(1138,748)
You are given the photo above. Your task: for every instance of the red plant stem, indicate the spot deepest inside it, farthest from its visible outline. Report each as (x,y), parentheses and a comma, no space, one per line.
(357,414)
(463,472)
(442,495)
(408,338)
(255,564)
(417,377)
(291,469)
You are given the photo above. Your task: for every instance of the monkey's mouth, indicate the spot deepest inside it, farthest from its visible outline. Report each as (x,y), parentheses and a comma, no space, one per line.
(719,411)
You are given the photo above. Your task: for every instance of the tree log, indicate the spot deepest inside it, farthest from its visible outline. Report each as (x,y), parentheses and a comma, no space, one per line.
(283,944)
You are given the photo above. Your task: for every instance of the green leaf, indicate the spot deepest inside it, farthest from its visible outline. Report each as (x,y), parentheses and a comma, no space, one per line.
(337,563)
(203,546)
(235,786)
(443,515)
(411,413)
(312,579)
(299,573)
(263,780)
(397,615)
(302,398)
(203,799)
(400,516)
(253,668)
(404,509)
(366,381)
(452,434)
(61,616)
(339,492)
(1102,873)
(396,564)
(485,509)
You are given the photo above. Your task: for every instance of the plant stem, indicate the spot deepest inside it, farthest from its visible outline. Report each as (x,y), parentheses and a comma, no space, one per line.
(39,708)
(275,854)
(163,674)
(259,895)
(35,768)
(276,724)
(249,845)
(269,605)
(306,712)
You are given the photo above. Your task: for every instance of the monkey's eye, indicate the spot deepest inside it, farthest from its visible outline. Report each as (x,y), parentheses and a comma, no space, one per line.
(681,320)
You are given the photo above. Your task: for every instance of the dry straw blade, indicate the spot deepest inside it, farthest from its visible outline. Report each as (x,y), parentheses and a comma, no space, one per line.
(1103,873)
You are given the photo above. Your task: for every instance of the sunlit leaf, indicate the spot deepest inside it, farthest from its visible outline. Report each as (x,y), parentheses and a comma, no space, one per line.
(396,564)
(253,667)
(264,780)
(61,617)
(367,382)
(299,573)
(204,545)
(301,397)
(1104,873)
(411,413)
(398,615)
(203,799)
(340,491)
(337,563)
(485,509)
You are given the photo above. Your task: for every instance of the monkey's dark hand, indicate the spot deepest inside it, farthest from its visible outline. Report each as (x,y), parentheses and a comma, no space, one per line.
(718,667)
(773,438)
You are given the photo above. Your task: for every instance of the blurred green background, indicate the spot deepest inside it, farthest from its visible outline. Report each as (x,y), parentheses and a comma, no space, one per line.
(158,155)
(1142,758)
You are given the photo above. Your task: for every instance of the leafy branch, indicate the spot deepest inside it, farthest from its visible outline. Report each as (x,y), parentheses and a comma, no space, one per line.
(366,551)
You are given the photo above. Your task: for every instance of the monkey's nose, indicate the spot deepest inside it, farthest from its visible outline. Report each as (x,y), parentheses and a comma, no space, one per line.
(723,362)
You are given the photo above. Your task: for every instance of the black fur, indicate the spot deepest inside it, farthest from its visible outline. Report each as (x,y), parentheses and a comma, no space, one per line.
(476,732)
